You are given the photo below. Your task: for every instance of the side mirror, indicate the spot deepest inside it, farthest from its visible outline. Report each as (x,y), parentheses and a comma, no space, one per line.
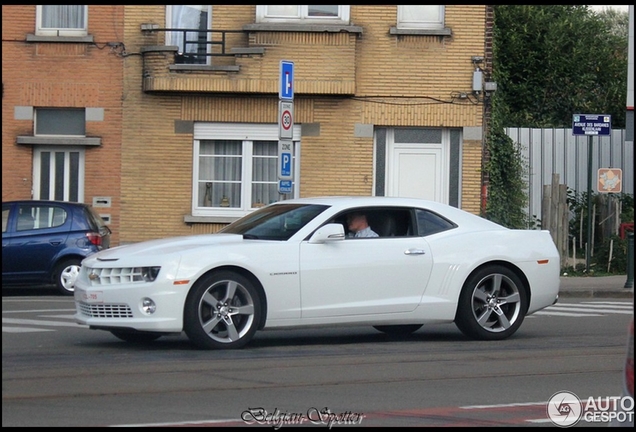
(328,233)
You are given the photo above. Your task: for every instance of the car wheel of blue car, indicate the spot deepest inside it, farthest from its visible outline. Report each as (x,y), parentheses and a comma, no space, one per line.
(492,304)
(222,310)
(65,275)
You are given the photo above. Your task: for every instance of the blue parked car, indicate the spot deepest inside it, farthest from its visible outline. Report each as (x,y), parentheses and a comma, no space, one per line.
(44,242)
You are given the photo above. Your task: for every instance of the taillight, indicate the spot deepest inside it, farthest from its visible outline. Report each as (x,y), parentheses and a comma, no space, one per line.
(94,238)
(629,362)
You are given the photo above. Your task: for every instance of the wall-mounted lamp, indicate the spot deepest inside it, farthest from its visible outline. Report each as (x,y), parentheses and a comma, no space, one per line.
(477,74)
(477,80)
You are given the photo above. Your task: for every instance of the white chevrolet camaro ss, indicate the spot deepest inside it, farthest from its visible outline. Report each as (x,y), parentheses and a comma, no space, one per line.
(294,263)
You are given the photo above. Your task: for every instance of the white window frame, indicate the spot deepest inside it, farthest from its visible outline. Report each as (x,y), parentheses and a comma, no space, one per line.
(37,174)
(246,133)
(262,16)
(431,22)
(40,30)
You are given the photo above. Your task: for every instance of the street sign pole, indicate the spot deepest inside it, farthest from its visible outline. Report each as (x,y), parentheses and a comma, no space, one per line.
(285,128)
(590,125)
(588,249)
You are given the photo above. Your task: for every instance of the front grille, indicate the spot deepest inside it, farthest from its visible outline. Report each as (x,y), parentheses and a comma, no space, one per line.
(114,276)
(105,310)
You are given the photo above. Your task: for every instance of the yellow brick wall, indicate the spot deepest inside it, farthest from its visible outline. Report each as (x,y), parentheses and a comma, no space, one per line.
(397,81)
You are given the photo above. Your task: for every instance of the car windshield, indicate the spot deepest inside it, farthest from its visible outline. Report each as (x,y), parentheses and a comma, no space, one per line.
(275,222)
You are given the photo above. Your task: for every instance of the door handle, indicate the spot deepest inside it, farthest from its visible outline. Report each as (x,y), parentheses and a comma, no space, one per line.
(414,252)
(55,242)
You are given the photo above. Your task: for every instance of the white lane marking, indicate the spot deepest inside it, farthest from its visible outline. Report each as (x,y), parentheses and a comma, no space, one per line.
(41,323)
(23,330)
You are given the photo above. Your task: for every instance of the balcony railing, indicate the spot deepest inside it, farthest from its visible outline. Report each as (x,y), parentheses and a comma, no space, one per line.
(195,45)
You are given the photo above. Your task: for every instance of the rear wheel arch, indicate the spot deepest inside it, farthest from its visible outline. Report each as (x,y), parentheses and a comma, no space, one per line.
(493,302)
(516,270)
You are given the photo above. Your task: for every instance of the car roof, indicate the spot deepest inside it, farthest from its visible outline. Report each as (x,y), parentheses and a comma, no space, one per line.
(43,202)
(344,202)
(361,201)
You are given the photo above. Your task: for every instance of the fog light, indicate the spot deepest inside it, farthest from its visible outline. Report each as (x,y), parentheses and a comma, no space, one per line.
(148,306)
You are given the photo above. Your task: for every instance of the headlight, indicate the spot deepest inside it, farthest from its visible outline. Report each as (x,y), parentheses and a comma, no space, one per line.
(145,274)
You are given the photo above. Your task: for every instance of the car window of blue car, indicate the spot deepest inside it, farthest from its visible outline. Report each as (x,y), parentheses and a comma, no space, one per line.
(5,218)
(40,217)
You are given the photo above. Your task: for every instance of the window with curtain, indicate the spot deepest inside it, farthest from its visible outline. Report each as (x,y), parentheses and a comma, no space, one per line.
(420,17)
(193,43)
(311,14)
(236,175)
(61,20)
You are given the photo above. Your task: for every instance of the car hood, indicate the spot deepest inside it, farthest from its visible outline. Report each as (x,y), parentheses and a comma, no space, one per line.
(168,246)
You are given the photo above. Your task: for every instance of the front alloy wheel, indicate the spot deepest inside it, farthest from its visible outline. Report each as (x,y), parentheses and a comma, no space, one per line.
(492,304)
(222,311)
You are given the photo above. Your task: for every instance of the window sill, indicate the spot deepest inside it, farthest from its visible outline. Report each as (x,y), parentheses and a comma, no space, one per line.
(60,39)
(189,219)
(53,140)
(200,67)
(306,28)
(421,32)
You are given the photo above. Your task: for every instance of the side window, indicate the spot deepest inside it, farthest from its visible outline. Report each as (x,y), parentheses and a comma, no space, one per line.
(430,223)
(310,14)
(26,220)
(5,218)
(40,217)
(385,222)
(420,17)
(61,20)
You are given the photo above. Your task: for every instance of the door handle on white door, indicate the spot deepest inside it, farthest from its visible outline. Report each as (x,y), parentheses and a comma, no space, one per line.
(414,252)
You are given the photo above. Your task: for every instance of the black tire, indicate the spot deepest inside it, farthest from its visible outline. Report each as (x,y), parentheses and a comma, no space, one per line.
(222,311)
(135,336)
(65,275)
(398,330)
(492,304)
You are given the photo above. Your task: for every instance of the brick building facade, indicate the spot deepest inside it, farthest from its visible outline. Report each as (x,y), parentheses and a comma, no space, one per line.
(382,106)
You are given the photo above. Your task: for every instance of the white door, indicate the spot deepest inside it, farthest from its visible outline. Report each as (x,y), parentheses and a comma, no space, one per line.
(417,171)
(361,276)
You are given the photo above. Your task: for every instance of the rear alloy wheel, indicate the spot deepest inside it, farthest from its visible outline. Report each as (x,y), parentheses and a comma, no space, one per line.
(222,311)
(398,330)
(492,304)
(65,275)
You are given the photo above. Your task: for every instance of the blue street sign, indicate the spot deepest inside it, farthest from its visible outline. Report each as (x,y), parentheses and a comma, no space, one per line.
(285,164)
(284,186)
(591,124)
(285,161)
(286,80)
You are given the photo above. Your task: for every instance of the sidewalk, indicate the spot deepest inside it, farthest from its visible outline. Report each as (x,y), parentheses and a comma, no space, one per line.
(595,286)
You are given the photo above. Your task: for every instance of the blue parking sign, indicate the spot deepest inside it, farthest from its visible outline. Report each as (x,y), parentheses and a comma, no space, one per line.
(284,186)
(286,80)
(285,164)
